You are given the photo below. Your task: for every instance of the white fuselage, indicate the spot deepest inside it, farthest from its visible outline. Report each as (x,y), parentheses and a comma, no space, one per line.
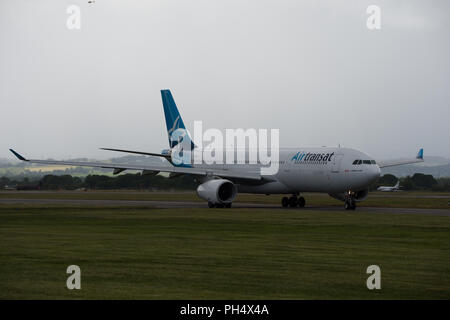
(388,189)
(330,170)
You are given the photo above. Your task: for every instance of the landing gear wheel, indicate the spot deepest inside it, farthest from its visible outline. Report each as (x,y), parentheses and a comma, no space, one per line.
(228,205)
(292,202)
(284,202)
(210,204)
(347,205)
(220,205)
(301,202)
(350,205)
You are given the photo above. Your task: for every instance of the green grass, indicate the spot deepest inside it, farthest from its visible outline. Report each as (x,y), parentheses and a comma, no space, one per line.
(145,253)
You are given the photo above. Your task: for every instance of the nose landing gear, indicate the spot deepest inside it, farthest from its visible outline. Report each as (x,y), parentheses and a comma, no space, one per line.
(350,203)
(293,202)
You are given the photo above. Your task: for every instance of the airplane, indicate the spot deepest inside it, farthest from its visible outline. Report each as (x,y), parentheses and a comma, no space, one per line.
(390,189)
(344,173)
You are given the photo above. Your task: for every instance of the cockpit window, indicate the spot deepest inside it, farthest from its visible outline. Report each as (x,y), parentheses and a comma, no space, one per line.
(356,162)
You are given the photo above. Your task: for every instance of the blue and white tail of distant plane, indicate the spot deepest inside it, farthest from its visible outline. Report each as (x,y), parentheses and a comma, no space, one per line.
(176,130)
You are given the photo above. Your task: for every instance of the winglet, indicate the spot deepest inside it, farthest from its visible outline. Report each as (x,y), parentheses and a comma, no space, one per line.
(420,154)
(18,155)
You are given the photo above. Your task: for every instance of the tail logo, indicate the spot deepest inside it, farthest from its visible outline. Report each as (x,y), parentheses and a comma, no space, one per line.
(176,125)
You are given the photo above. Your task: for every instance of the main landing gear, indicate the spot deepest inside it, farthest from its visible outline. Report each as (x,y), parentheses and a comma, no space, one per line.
(293,202)
(219,205)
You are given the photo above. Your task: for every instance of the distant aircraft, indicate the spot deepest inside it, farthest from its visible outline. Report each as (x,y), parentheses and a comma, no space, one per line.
(390,189)
(343,173)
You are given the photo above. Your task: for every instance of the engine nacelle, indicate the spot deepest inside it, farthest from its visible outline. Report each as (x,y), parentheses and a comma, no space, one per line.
(360,195)
(217,191)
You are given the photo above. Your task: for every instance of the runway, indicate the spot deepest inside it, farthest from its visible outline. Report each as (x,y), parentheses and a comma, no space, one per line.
(199,205)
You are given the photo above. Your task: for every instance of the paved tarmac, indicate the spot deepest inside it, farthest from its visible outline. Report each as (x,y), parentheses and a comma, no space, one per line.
(194,204)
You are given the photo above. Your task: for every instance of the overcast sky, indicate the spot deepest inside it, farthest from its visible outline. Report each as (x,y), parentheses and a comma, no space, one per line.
(309,68)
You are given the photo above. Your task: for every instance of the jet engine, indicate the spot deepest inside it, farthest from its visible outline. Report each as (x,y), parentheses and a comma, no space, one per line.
(360,195)
(217,191)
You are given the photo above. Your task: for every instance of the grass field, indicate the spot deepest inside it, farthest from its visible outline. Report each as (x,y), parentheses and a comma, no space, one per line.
(148,253)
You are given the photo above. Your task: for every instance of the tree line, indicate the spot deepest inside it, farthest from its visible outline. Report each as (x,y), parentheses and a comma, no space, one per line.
(137,181)
(417,181)
(101,182)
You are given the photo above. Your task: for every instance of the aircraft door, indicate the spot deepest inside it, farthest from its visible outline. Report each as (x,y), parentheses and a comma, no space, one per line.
(333,176)
(336,163)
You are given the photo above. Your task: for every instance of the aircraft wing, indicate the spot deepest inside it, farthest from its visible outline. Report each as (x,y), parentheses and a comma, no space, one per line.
(171,169)
(418,158)
(167,156)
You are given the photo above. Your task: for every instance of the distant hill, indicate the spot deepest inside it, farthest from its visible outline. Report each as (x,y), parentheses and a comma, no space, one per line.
(16,168)
(437,166)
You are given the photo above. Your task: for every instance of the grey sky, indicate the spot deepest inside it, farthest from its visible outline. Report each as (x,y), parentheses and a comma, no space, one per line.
(310,68)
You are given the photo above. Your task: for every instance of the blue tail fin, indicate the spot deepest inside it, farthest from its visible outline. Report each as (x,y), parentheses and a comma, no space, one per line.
(173,119)
(420,154)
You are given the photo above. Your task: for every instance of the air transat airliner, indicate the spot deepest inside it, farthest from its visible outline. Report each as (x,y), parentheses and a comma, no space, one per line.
(343,173)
